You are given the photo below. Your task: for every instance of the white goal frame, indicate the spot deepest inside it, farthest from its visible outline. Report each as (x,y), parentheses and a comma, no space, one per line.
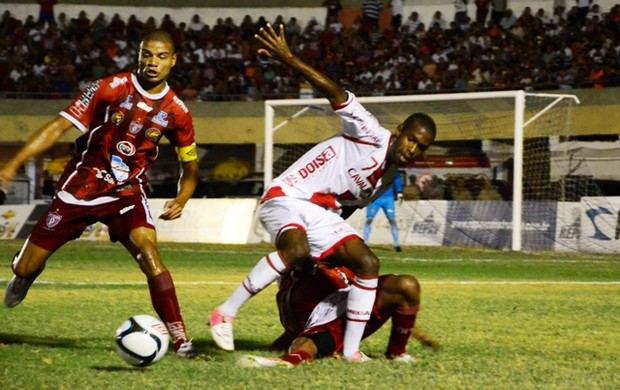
(518,131)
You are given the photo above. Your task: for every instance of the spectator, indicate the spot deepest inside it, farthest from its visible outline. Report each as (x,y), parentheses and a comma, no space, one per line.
(412,23)
(333,8)
(508,21)
(371,10)
(583,8)
(397,14)
(437,21)
(460,13)
(435,189)
(488,191)
(499,8)
(482,10)
(46,12)
(460,191)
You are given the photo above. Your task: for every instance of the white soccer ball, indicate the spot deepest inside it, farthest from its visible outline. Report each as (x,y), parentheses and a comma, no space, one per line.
(142,340)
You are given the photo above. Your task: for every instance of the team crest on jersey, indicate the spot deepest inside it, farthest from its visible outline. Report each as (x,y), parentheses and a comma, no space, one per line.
(117,117)
(126,148)
(135,127)
(52,219)
(128,103)
(161,119)
(153,134)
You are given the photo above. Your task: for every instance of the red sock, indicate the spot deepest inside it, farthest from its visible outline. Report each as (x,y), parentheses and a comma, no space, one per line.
(164,299)
(403,321)
(298,357)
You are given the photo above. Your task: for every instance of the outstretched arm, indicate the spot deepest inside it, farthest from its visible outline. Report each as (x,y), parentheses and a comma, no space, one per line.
(39,142)
(274,45)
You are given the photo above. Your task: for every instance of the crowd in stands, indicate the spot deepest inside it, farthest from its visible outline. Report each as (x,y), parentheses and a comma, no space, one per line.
(535,50)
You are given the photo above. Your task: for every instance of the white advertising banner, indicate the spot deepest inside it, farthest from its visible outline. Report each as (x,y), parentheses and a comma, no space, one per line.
(600,225)
(218,221)
(568,226)
(419,223)
(12,219)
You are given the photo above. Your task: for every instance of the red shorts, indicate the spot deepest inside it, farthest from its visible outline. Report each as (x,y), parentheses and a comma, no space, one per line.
(63,222)
(297,299)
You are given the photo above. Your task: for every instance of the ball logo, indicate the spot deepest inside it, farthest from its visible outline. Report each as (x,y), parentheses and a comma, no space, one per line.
(153,134)
(117,117)
(126,148)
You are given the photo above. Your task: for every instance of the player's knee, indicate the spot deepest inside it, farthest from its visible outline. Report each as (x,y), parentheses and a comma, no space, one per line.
(367,264)
(409,287)
(296,254)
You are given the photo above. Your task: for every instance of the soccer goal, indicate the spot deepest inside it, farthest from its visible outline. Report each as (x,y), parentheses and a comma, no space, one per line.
(510,133)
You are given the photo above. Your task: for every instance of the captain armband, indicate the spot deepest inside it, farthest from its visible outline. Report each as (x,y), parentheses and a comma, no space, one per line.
(187,153)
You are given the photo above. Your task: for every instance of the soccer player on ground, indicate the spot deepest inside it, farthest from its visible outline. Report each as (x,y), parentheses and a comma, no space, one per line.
(311,303)
(386,203)
(304,209)
(122,118)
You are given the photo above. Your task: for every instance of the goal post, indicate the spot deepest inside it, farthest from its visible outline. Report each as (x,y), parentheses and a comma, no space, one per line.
(474,116)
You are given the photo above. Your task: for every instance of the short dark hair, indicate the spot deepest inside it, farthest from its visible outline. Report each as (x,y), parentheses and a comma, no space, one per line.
(161,36)
(424,120)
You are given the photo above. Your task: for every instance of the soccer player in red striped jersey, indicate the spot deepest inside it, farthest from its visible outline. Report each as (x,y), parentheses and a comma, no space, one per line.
(312,302)
(122,118)
(304,209)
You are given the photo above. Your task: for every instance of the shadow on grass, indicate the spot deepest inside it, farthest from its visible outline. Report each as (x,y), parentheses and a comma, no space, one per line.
(119,368)
(53,342)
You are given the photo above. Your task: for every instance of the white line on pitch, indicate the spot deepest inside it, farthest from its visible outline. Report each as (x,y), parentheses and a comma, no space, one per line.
(438,282)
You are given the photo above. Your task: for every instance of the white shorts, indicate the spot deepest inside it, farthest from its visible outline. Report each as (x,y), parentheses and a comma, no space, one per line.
(326,230)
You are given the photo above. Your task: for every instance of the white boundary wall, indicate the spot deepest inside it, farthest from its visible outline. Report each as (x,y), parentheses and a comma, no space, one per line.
(425,8)
(591,225)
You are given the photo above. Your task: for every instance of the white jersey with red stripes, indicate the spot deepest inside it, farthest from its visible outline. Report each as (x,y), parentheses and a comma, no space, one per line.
(348,169)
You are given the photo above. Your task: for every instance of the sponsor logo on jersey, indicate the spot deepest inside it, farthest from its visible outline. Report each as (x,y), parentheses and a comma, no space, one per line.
(153,134)
(126,148)
(128,103)
(118,117)
(126,209)
(317,162)
(118,81)
(52,219)
(161,119)
(80,105)
(361,182)
(180,103)
(145,107)
(135,127)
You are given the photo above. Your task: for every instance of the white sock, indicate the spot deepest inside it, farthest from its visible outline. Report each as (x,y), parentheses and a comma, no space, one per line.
(265,272)
(359,307)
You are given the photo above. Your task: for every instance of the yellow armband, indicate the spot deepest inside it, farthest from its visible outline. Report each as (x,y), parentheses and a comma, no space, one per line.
(187,153)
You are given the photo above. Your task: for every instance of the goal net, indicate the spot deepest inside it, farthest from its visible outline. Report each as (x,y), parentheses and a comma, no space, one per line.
(496,177)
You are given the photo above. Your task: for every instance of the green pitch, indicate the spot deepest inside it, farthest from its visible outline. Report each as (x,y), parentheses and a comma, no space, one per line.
(505,321)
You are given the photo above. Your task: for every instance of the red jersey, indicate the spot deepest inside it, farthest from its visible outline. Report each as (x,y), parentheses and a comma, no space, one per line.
(122,126)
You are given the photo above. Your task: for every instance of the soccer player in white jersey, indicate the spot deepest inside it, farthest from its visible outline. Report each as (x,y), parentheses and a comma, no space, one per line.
(304,209)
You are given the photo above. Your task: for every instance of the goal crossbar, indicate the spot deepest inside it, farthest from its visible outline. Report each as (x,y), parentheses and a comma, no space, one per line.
(519,97)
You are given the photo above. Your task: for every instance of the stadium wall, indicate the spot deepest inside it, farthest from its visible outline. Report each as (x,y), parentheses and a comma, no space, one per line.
(243,122)
(304,10)
(591,225)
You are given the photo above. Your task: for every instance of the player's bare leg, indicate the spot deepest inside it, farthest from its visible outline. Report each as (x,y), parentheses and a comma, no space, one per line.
(27,265)
(142,244)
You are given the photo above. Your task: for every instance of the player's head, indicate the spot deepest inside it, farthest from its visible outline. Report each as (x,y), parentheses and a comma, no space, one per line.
(412,138)
(156,58)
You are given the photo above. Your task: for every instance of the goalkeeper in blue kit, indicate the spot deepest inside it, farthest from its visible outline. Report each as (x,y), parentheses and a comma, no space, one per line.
(386,202)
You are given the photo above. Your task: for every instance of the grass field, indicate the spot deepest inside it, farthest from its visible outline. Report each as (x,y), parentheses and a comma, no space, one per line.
(505,321)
